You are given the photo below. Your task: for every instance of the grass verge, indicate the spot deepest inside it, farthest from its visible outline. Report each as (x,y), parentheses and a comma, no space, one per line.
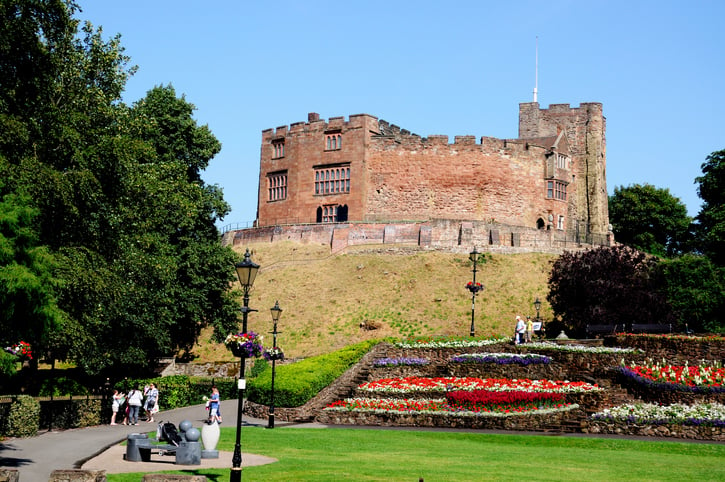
(391,455)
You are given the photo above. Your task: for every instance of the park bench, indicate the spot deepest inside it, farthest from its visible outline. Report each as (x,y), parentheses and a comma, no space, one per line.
(651,328)
(593,330)
(139,448)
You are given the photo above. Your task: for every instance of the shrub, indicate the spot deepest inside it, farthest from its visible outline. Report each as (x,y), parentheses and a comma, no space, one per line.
(61,386)
(24,417)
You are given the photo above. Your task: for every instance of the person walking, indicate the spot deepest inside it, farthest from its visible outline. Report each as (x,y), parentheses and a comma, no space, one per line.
(214,400)
(152,400)
(135,400)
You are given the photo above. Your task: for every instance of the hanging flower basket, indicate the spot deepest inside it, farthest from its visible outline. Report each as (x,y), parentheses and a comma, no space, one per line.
(248,345)
(474,287)
(21,350)
(274,354)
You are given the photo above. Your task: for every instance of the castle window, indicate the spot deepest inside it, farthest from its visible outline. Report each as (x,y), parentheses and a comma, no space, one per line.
(278,149)
(333,142)
(332,180)
(560,223)
(329,214)
(277,186)
(562,162)
(556,190)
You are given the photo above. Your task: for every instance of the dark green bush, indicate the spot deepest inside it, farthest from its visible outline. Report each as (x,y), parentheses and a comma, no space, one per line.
(61,386)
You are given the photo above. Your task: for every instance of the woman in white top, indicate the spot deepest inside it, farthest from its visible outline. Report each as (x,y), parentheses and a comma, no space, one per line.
(135,399)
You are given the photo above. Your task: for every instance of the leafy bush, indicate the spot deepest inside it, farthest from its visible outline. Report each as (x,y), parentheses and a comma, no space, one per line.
(61,386)
(297,383)
(24,417)
(606,286)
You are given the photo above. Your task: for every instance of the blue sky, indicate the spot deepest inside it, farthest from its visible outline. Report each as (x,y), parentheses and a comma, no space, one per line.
(453,68)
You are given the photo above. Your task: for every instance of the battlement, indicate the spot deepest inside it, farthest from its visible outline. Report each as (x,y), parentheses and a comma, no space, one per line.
(315,124)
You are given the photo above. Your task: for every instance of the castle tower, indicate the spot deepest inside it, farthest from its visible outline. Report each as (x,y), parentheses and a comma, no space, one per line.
(585,128)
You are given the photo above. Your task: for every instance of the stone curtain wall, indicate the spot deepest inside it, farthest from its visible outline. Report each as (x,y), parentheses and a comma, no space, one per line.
(458,236)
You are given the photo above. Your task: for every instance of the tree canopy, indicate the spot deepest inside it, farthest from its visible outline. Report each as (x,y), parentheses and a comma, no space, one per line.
(606,286)
(124,239)
(649,219)
(711,218)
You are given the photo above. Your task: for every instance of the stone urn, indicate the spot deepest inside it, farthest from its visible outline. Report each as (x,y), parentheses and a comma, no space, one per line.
(210,438)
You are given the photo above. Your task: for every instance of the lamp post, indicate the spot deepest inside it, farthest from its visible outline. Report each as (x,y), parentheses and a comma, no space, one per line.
(474,288)
(537,306)
(246,272)
(276,313)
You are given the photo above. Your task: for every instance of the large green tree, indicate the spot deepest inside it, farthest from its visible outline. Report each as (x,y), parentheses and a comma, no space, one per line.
(649,219)
(711,218)
(120,202)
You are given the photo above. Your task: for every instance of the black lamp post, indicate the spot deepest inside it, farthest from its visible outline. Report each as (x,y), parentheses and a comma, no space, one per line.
(246,271)
(474,288)
(276,313)
(537,306)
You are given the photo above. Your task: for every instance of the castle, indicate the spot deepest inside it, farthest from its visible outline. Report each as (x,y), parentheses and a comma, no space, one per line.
(366,180)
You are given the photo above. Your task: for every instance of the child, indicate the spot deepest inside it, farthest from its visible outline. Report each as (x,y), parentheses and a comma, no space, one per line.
(214,414)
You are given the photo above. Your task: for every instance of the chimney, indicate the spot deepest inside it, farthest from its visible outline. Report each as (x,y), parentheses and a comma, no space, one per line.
(313,117)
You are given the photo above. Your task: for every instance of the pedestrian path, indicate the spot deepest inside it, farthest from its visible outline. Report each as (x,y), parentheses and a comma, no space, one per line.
(36,457)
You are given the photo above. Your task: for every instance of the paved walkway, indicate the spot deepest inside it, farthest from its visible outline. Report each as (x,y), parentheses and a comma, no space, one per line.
(98,447)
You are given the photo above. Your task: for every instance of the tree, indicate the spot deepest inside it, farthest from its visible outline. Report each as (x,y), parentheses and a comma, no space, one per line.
(117,193)
(711,218)
(606,286)
(649,219)
(695,290)
(28,307)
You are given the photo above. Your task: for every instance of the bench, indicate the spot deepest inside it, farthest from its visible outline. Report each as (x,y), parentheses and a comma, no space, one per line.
(145,450)
(601,330)
(651,328)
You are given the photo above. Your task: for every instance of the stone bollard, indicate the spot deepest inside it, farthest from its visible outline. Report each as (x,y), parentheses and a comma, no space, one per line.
(77,475)
(173,478)
(9,475)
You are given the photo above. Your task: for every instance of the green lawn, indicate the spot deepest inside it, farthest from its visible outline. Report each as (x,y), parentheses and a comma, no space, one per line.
(405,455)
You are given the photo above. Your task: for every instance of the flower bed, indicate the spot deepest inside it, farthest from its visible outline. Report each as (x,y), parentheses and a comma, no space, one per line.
(449,342)
(668,384)
(433,413)
(443,384)
(700,421)
(524,359)
(509,401)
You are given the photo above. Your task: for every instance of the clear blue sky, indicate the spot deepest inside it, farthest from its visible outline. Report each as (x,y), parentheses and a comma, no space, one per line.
(453,68)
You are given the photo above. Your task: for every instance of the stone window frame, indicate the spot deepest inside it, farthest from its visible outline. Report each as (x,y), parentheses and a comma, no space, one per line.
(277,186)
(560,222)
(562,161)
(333,141)
(329,213)
(277,148)
(332,179)
(556,190)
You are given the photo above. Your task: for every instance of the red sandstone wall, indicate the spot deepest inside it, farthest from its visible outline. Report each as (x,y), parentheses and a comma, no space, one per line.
(418,179)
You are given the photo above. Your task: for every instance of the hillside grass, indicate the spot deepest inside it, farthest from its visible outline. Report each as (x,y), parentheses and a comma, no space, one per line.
(403,291)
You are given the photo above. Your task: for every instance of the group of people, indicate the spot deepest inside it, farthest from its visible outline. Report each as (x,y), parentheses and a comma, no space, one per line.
(524,330)
(130,404)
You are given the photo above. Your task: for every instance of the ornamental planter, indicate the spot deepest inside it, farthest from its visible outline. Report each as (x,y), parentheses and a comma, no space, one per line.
(237,350)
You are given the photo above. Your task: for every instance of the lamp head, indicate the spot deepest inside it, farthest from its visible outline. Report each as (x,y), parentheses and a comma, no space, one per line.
(276,312)
(246,271)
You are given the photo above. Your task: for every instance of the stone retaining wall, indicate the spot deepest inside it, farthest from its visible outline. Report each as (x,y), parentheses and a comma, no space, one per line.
(670,430)
(528,422)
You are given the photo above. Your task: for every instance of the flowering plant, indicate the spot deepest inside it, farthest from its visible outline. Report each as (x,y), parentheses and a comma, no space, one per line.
(502,358)
(449,342)
(441,407)
(399,362)
(701,378)
(21,350)
(247,344)
(274,353)
(474,287)
(444,384)
(712,414)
